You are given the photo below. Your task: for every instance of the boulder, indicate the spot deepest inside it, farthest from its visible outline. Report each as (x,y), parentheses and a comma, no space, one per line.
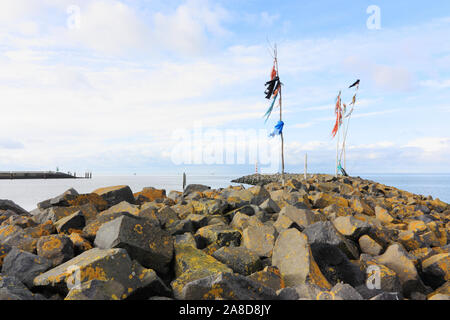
(167,216)
(270,277)
(71,223)
(45,229)
(331,251)
(92,227)
(386,296)
(241,221)
(439,296)
(195,188)
(388,279)
(383,215)
(21,221)
(116,194)
(260,195)
(24,266)
(150,285)
(56,213)
(321,200)
(10,205)
(150,194)
(270,206)
(12,289)
(292,256)
(436,270)
(102,265)
(351,227)
(192,264)
(259,239)
(221,234)
(239,259)
(325,234)
(175,195)
(226,286)
(398,260)
(302,217)
(362,207)
(180,227)
(198,220)
(91,199)
(60,201)
(305,291)
(346,292)
(185,239)
(442,290)
(15,236)
(369,246)
(149,245)
(121,207)
(55,248)
(80,244)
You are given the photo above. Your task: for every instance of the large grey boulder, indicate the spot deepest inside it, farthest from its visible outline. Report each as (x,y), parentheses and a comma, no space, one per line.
(292,256)
(12,289)
(227,286)
(102,265)
(331,251)
(115,195)
(24,266)
(239,259)
(62,200)
(149,245)
(10,205)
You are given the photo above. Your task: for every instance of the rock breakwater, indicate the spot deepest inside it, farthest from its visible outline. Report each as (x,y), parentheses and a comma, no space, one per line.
(318,238)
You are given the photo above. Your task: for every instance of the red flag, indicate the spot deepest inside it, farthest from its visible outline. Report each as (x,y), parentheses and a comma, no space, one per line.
(338,111)
(274,73)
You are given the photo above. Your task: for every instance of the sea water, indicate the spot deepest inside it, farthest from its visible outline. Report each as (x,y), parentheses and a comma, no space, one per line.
(27,193)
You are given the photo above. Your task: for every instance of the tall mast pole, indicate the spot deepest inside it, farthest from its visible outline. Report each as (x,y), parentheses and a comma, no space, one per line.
(281,116)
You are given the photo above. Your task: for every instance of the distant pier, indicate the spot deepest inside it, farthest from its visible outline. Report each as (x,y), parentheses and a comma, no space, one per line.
(12,175)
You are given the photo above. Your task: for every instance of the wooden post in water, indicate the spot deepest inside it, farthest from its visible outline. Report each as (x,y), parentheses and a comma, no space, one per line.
(184,181)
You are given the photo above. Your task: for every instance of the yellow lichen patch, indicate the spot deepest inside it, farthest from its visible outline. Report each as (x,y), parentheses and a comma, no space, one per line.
(138,228)
(52,244)
(215,293)
(408,240)
(79,242)
(90,273)
(316,275)
(44,229)
(150,194)
(8,230)
(417,226)
(92,198)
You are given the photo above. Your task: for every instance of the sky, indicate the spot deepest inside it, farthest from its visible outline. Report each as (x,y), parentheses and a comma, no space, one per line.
(105,85)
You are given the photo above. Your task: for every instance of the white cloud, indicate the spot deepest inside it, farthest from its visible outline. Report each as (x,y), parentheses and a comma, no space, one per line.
(109,27)
(432,145)
(188,28)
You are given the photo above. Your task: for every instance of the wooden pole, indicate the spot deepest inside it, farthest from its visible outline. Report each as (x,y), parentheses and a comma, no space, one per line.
(281,118)
(337,151)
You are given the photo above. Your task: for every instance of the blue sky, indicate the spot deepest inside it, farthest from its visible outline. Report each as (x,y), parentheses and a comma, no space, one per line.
(108,94)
